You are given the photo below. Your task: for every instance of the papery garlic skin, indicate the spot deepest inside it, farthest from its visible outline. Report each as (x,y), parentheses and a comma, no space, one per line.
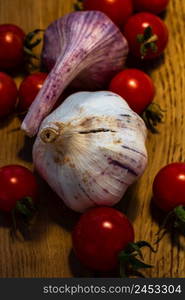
(90,149)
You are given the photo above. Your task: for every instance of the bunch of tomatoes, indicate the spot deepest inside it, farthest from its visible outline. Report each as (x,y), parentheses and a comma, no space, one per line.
(103,236)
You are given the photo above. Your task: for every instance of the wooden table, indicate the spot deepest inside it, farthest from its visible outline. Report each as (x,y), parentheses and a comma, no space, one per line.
(48,252)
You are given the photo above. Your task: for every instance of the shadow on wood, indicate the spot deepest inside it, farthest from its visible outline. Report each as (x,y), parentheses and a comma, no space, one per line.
(5,220)
(76,267)
(147,66)
(128,202)
(4,122)
(25,153)
(60,214)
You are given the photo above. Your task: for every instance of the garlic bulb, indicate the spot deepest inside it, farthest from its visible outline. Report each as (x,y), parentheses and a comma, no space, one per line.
(84,49)
(90,149)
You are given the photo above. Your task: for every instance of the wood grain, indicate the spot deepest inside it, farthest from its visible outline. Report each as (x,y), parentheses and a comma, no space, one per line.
(48,252)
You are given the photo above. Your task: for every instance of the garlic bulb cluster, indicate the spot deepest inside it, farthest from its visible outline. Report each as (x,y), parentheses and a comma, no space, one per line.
(90,149)
(84,49)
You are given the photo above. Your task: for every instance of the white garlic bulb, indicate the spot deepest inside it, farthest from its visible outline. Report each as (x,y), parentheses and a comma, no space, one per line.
(90,149)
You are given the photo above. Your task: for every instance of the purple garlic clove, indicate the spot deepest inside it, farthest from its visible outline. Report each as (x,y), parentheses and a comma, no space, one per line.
(85,49)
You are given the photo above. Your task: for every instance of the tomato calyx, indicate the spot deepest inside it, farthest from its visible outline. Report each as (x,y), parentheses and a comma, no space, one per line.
(180,215)
(31,41)
(152,116)
(148,41)
(25,207)
(29,44)
(175,219)
(78,5)
(22,215)
(129,263)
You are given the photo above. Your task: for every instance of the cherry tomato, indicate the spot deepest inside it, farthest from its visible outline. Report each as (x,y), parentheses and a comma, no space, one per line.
(29,89)
(146,34)
(8,94)
(99,236)
(11,46)
(17,182)
(13,28)
(117,10)
(135,86)
(153,6)
(169,187)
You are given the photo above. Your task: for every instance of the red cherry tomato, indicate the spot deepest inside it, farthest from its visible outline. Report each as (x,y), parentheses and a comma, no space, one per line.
(29,89)
(117,10)
(146,34)
(99,236)
(13,28)
(169,187)
(8,94)
(11,46)
(153,6)
(17,182)
(134,86)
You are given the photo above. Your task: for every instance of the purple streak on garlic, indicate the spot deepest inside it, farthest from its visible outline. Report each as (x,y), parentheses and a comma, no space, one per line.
(90,149)
(82,48)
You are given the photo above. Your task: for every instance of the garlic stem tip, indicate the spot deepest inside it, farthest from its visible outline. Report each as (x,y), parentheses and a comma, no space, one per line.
(49,135)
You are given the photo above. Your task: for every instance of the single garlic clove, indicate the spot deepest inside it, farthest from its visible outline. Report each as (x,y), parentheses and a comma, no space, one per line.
(84,49)
(90,149)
